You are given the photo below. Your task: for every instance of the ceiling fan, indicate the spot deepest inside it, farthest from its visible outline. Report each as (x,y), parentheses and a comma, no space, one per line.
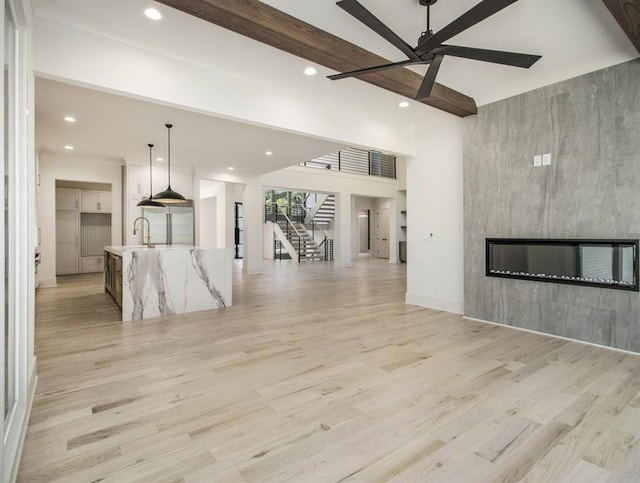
(431,49)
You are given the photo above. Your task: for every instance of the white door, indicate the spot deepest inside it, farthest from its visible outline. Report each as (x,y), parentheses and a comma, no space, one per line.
(363,231)
(67,243)
(382,233)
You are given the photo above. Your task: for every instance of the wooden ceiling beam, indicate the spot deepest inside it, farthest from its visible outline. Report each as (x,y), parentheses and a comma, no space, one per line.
(273,27)
(627,14)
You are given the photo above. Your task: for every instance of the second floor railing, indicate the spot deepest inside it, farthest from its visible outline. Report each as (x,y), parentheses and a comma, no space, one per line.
(357,161)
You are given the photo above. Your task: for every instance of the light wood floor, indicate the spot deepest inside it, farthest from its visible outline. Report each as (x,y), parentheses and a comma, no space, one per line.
(320,374)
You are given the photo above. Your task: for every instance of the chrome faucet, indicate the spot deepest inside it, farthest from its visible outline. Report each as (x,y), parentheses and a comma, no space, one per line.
(135,230)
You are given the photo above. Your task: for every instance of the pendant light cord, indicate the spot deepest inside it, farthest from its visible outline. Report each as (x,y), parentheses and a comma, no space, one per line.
(169,126)
(150,172)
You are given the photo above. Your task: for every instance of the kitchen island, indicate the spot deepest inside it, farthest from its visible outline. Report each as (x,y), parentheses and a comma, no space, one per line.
(167,279)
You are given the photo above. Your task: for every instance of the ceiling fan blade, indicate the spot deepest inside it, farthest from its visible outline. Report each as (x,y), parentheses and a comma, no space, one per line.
(378,68)
(495,56)
(481,11)
(357,10)
(430,78)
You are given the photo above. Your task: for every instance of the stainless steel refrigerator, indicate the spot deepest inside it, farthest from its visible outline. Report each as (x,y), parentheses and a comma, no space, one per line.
(173,225)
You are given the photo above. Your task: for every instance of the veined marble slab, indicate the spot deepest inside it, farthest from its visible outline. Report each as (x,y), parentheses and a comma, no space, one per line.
(173,280)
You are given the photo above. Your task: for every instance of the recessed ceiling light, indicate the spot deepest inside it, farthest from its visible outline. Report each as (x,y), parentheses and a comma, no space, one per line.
(310,71)
(231,168)
(69,118)
(153,13)
(160,159)
(404,104)
(68,147)
(268,153)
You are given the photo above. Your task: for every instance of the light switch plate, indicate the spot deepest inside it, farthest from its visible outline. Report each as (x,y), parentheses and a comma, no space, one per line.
(537,161)
(546,159)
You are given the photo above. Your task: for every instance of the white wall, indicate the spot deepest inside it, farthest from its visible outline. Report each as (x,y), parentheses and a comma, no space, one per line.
(105,64)
(435,270)
(216,217)
(208,233)
(207,209)
(401,172)
(253,207)
(72,169)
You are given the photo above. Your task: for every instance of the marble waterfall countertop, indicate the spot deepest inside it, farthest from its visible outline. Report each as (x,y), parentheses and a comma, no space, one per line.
(173,279)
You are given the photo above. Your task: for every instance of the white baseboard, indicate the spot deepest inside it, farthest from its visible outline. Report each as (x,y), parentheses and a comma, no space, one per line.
(569,339)
(47,282)
(453,306)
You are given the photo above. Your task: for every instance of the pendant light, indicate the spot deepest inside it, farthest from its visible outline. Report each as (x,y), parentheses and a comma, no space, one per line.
(169,196)
(150,201)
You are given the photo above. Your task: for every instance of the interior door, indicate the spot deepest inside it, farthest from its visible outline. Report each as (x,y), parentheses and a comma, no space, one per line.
(67,242)
(382,233)
(363,231)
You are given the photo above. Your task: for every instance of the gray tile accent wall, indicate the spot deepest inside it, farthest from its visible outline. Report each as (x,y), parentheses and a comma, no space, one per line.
(591,125)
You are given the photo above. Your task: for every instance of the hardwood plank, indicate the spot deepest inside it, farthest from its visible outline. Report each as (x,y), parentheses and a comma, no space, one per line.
(347,384)
(585,471)
(273,27)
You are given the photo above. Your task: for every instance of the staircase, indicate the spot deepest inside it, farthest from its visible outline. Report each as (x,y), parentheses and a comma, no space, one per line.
(303,244)
(325,213)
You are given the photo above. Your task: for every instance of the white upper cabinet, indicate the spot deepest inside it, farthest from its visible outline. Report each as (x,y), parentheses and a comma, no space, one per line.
(67,199)
(134,181)
(96,202)
(137,180)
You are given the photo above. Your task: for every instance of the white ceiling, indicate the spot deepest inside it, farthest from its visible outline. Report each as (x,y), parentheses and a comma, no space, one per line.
(573,36)
(111,127)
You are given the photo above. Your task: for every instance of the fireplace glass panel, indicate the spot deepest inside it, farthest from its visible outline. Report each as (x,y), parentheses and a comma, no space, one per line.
(606,263)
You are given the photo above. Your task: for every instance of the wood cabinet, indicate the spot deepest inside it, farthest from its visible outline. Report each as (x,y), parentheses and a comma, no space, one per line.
(67,199)
(113,276)
(96,202)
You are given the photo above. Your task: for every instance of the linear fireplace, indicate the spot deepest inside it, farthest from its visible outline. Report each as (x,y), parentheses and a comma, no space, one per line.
(594,263)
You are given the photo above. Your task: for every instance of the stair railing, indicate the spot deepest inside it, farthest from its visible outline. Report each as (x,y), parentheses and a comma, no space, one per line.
(279,214)
(282,211)
(326,241)
(282,214)
(357,161)
(313,224)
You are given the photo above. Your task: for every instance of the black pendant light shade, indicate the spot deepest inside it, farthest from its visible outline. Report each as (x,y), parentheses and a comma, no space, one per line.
(169,196)
(150,201)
